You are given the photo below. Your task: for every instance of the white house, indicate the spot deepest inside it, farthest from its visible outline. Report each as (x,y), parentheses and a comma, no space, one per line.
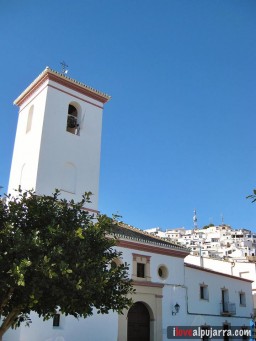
(242,269)
(58,146)
(214,241)
(163,282)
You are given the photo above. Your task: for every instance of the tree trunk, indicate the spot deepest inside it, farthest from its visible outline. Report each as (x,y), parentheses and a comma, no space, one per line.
(8,321)
(1,334)
(2,331)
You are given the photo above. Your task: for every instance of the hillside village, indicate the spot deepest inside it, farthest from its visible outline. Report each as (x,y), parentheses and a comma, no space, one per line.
(173,287)
(219,242)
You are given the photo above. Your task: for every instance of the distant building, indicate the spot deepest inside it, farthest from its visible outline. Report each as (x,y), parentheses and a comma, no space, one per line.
(219,241)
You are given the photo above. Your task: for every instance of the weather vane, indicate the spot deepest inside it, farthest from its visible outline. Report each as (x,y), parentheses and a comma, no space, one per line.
(64,68)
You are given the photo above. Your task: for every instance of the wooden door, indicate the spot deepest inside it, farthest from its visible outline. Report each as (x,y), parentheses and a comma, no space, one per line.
(138,323)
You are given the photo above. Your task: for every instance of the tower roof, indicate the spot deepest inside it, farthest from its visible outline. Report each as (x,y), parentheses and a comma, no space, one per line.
(49,74)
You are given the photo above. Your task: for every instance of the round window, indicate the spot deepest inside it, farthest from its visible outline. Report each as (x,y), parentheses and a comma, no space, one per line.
(162,272)
(115,263)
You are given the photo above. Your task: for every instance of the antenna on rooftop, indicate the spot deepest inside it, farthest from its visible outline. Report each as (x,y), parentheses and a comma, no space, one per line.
(222,219)
(195,219)
(64,68)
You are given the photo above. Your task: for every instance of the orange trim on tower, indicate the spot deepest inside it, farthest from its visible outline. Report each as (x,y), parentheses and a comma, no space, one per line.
(68,93)
(54,76)
(77,88)
(21,99)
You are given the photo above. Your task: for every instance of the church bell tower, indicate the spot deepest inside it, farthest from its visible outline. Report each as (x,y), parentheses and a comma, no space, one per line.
(58,138)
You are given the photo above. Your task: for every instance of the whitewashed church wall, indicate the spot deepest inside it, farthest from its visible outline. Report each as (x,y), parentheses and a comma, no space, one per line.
(94,328)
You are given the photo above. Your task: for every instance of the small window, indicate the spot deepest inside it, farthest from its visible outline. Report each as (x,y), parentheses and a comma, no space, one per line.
(225,300)
(242,299)
(204,293)
(72,120)
(140,270)
(162,272)
(141,267)
(56,320)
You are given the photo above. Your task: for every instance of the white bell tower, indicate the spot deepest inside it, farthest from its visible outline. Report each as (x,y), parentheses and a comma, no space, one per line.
(58,138)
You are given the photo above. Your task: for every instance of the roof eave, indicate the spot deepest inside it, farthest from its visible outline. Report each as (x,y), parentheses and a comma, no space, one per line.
(49,74)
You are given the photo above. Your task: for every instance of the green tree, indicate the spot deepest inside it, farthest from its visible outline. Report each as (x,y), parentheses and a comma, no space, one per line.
(206,226)
(54,255)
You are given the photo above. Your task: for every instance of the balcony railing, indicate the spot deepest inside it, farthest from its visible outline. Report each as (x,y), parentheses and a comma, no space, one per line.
(227,308)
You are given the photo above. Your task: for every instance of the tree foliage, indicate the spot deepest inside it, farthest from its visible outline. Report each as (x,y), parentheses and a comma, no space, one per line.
(55,256)
(207,226)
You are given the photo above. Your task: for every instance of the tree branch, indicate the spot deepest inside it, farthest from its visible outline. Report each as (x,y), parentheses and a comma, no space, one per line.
(6,299)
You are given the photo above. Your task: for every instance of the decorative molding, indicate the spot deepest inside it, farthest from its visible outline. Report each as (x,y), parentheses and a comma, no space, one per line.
(192,266)
(148,284)
(28,97)
(31,89)
(90,210)
(151,248)
(83,89)
(135,255)
(67,82)
(68,93)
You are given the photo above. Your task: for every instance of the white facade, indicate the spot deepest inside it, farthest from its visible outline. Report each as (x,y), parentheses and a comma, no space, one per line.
(92,328)
(240,269)
(180,285)
(214,241)
(46,154)
(210,308)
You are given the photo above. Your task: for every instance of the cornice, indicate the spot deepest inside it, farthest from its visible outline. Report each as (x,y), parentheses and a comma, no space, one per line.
(148,284)
(148,247)
(49,74)
(146,237)
(192,266)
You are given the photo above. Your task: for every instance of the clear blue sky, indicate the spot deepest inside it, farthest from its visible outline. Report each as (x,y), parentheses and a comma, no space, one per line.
(179,131)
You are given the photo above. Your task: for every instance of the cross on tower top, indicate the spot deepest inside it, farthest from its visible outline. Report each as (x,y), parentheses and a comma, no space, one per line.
(64,68)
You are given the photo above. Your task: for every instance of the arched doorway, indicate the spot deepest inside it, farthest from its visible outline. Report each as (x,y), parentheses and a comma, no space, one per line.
(138,323)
